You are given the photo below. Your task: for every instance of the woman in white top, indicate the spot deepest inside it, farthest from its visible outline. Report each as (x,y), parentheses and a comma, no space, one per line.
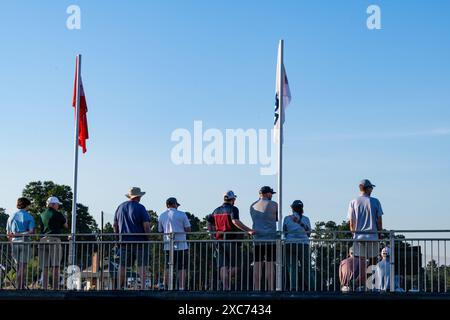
(297,230)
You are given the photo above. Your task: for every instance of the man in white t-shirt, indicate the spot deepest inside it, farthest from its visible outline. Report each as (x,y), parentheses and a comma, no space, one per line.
(175,222)
(365,217)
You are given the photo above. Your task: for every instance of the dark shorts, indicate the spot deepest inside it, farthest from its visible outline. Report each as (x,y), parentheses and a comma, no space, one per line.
(180,259)
(229,254)
(265,251)
(132,253)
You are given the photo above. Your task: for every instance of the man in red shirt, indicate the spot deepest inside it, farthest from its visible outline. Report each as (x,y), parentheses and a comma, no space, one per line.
(225,222)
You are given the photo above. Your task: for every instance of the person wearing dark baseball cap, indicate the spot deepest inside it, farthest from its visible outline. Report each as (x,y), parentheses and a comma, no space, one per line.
(365,218)
(297,230)
(172,202)
(175,222)
(264,213)
(266,190)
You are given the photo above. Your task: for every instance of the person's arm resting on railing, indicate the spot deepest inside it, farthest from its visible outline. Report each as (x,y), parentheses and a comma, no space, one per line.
(380,226)
(242,226)
(238,223)
(210,225)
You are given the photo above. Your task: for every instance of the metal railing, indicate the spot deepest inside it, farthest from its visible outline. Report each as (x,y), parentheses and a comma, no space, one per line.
(417,262)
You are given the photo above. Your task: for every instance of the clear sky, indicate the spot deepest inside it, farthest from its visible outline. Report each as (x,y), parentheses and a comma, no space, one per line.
(366,103)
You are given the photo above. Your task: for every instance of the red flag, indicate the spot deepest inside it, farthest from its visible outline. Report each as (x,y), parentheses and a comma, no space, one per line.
(83,133)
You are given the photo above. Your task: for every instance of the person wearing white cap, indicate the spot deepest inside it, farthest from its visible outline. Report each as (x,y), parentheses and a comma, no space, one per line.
(52,222)
(365,218)
(383,272)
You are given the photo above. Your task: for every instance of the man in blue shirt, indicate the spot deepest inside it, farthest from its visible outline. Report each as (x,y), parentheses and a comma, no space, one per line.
(18,227)
(132,217)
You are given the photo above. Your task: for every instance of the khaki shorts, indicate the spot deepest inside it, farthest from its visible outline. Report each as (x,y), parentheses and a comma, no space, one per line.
(50,252)
(21,252)
(367,249)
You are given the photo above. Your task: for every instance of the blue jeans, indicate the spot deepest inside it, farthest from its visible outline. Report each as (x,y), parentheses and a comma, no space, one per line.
(301,277)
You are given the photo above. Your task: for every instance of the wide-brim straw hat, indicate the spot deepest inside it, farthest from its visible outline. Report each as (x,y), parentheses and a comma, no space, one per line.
(134,192)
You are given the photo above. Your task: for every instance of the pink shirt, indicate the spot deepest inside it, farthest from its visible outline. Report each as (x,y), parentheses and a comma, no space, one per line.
(348,270)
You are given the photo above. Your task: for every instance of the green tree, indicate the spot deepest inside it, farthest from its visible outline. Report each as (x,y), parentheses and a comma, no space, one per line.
(108,228)
(198,226)
(195,222)
(332,230)
(3,220)
(85,222)
(153,220)
(38,192)
(436,278)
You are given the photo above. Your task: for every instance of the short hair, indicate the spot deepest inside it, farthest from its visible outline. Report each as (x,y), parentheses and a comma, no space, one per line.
(22,203)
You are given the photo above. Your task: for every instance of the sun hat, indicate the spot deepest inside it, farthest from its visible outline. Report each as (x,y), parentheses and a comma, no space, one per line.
(134,192)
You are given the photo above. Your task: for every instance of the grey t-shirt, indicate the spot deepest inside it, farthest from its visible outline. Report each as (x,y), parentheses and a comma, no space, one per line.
(264,215)
(296,231)
(365,211)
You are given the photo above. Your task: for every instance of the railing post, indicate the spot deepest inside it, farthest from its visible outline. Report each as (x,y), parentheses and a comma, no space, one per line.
(279,264)
(392,261)
(171,248)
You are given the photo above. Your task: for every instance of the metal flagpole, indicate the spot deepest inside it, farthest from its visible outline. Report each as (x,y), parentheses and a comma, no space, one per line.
(280,142)
(279,273)
(75,169)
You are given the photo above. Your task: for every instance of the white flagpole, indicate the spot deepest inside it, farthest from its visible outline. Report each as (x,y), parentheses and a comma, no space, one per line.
(279,274)
(75,169)
(280,140)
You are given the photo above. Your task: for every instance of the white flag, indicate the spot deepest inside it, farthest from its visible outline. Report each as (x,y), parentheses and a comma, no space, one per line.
(286,96)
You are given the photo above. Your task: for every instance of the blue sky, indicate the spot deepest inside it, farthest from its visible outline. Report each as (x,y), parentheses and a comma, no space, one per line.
(366,103)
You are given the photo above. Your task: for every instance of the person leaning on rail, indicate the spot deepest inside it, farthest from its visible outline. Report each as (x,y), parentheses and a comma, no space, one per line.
(19,226)
(226,219)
